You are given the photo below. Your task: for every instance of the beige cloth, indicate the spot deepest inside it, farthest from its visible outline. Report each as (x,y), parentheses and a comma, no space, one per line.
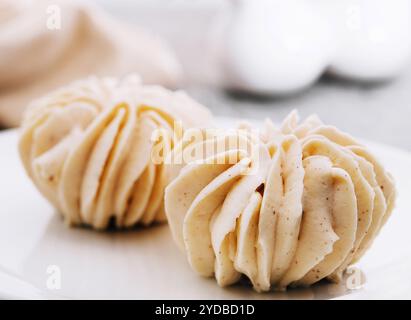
(35,59)
(312,206)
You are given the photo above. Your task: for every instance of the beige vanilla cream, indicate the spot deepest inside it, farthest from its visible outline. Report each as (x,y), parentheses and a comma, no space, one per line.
(303,206)
(93,148)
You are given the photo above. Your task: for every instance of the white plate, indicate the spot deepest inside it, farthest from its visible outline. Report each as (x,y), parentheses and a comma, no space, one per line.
(145,263)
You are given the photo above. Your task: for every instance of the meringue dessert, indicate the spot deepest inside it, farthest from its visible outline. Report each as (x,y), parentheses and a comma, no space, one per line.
(93,148)
(288,206)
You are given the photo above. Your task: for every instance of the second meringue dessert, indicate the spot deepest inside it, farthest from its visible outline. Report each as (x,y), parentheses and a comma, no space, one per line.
(284,207)
(95,148)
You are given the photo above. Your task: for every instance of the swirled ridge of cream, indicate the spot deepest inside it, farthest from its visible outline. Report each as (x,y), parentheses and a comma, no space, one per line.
(313,206)
(91,147)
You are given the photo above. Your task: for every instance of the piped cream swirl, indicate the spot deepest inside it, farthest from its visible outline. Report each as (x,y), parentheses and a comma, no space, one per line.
(94,148)
(312,208)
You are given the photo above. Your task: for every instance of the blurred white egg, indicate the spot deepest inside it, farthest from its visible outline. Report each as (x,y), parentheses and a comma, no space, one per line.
(275,46)
(374,38)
